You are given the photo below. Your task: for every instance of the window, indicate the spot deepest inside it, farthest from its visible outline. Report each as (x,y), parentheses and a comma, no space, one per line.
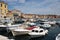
(15,15)
(4,16)
(36,30)
(5,6)
(0,5)
(41,30)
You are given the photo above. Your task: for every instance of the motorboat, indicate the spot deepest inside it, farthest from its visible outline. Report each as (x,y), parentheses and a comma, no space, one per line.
(19,30)
(13,25)
(2,26)
(46,22)
(31,23)
(58,37)
(37,32)
(9,25)
(44,25)
(50,22)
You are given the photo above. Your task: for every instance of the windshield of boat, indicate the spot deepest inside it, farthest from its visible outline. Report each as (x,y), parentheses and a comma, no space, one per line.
(34,30)
(41,30)
(37,31)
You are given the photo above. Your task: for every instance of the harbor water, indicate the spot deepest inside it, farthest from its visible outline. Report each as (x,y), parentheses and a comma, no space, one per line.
(52,33)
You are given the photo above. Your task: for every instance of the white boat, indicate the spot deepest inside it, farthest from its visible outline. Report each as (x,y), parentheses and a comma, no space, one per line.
(47,21)
(58,37)
(36,32)
(30,23)
(13,25)
(3,26)
(44,25)
(50,22)
(9,25)
(19,31)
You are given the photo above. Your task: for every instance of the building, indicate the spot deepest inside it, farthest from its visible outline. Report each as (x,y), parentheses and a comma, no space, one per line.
(10,15)
(16,14)
(58,16)
(40,16)
(28,16)
(3,9)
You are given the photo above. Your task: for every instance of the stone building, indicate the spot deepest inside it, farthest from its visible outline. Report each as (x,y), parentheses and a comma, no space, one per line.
(16,14)
(3,9)
(29,16)
(10,15)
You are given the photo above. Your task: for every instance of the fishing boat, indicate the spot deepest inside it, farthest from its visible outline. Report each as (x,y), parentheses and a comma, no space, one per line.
(58,37)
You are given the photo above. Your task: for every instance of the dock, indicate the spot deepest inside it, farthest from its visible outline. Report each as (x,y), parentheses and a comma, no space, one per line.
(3,38)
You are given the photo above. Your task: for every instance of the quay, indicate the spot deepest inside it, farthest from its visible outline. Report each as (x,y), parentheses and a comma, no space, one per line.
(3,38)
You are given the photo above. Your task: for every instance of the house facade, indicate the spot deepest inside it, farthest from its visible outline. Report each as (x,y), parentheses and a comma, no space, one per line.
(3,9)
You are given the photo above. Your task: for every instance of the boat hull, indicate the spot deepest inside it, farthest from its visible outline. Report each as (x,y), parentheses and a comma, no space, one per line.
(15,33)
(34,36)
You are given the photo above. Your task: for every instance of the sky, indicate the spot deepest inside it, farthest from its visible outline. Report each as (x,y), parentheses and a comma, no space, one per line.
(35,6)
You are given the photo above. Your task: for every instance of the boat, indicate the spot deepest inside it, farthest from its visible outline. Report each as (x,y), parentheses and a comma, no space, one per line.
(46,22)
(1,26)
(9,26)
(37,32)
(50,22)
(13,25)
(44,25)
(19,30)
(31,23)
(58,37)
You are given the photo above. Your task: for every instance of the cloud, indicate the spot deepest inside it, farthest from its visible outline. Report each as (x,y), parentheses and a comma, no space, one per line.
(13,1)
(9,0)
(36,6)
(46,7)
(22,1)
